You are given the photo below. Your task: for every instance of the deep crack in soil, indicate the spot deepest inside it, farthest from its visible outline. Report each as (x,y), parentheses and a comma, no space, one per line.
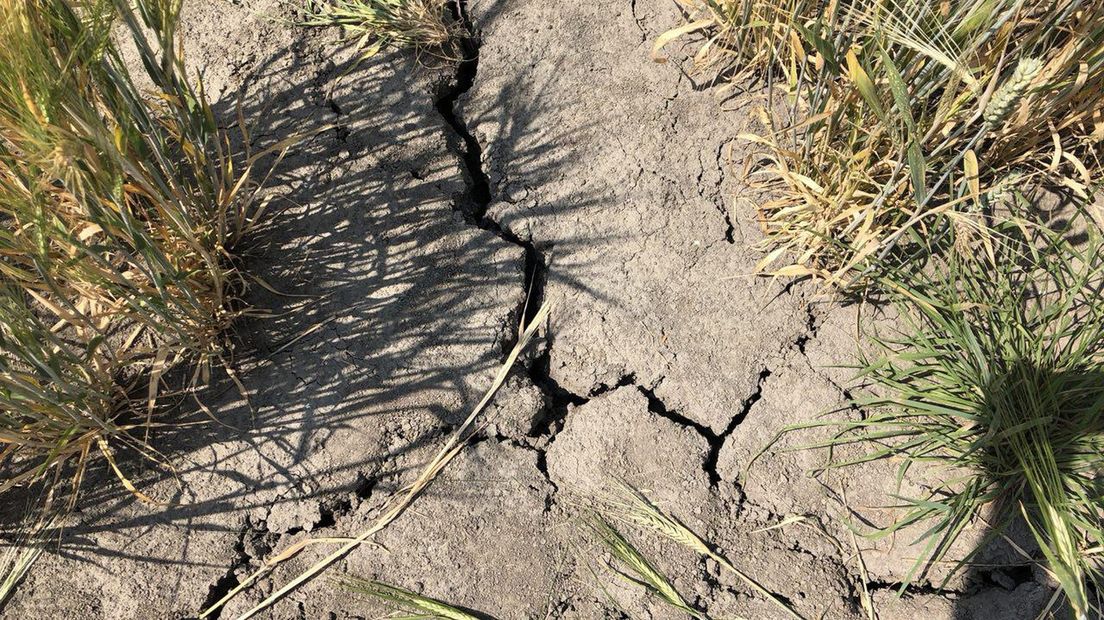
(227,582)
(641,388)
(716,440)
(474,207)
(479,196)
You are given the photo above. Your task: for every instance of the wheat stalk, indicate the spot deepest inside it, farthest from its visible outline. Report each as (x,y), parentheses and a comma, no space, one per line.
(634,507)
(405,599)
(650,577)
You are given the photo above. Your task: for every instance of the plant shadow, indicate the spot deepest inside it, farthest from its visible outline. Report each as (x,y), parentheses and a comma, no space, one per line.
(1033,413)
(385,315)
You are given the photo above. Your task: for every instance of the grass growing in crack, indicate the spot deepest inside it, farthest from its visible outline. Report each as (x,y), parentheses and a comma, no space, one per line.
(405,602)
(997,380)
(425,26)
(119,207)
(908,118)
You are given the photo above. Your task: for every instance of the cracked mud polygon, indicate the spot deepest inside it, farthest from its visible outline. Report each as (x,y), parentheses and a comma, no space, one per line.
(434,209)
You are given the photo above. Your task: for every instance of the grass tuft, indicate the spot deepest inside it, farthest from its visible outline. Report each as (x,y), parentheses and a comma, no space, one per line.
(897,117)
(119,209)
(996,381)
(739,39)
(426,26)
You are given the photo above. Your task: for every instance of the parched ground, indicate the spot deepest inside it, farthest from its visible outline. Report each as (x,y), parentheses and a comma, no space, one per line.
(427,202)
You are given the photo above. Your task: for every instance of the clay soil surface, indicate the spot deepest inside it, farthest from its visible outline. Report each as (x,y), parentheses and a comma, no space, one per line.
(558,160)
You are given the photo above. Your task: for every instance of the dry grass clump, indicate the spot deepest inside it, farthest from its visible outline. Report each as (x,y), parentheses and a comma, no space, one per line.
(907,118)
(740,38)
(906,129)
(997,381)
(426,26)
(118,211)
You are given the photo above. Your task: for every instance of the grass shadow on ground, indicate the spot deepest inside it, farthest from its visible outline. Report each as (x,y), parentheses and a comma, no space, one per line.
(390,308)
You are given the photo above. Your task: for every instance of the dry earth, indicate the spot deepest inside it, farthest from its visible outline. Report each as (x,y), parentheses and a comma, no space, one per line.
(558,160)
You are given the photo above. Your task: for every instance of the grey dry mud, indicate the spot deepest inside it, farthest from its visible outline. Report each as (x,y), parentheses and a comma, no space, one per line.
(429,212)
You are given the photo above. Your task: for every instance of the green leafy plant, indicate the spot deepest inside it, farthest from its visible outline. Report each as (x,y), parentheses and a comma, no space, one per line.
(996,383)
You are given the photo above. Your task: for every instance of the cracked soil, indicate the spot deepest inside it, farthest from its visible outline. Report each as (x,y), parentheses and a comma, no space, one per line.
(433,209)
